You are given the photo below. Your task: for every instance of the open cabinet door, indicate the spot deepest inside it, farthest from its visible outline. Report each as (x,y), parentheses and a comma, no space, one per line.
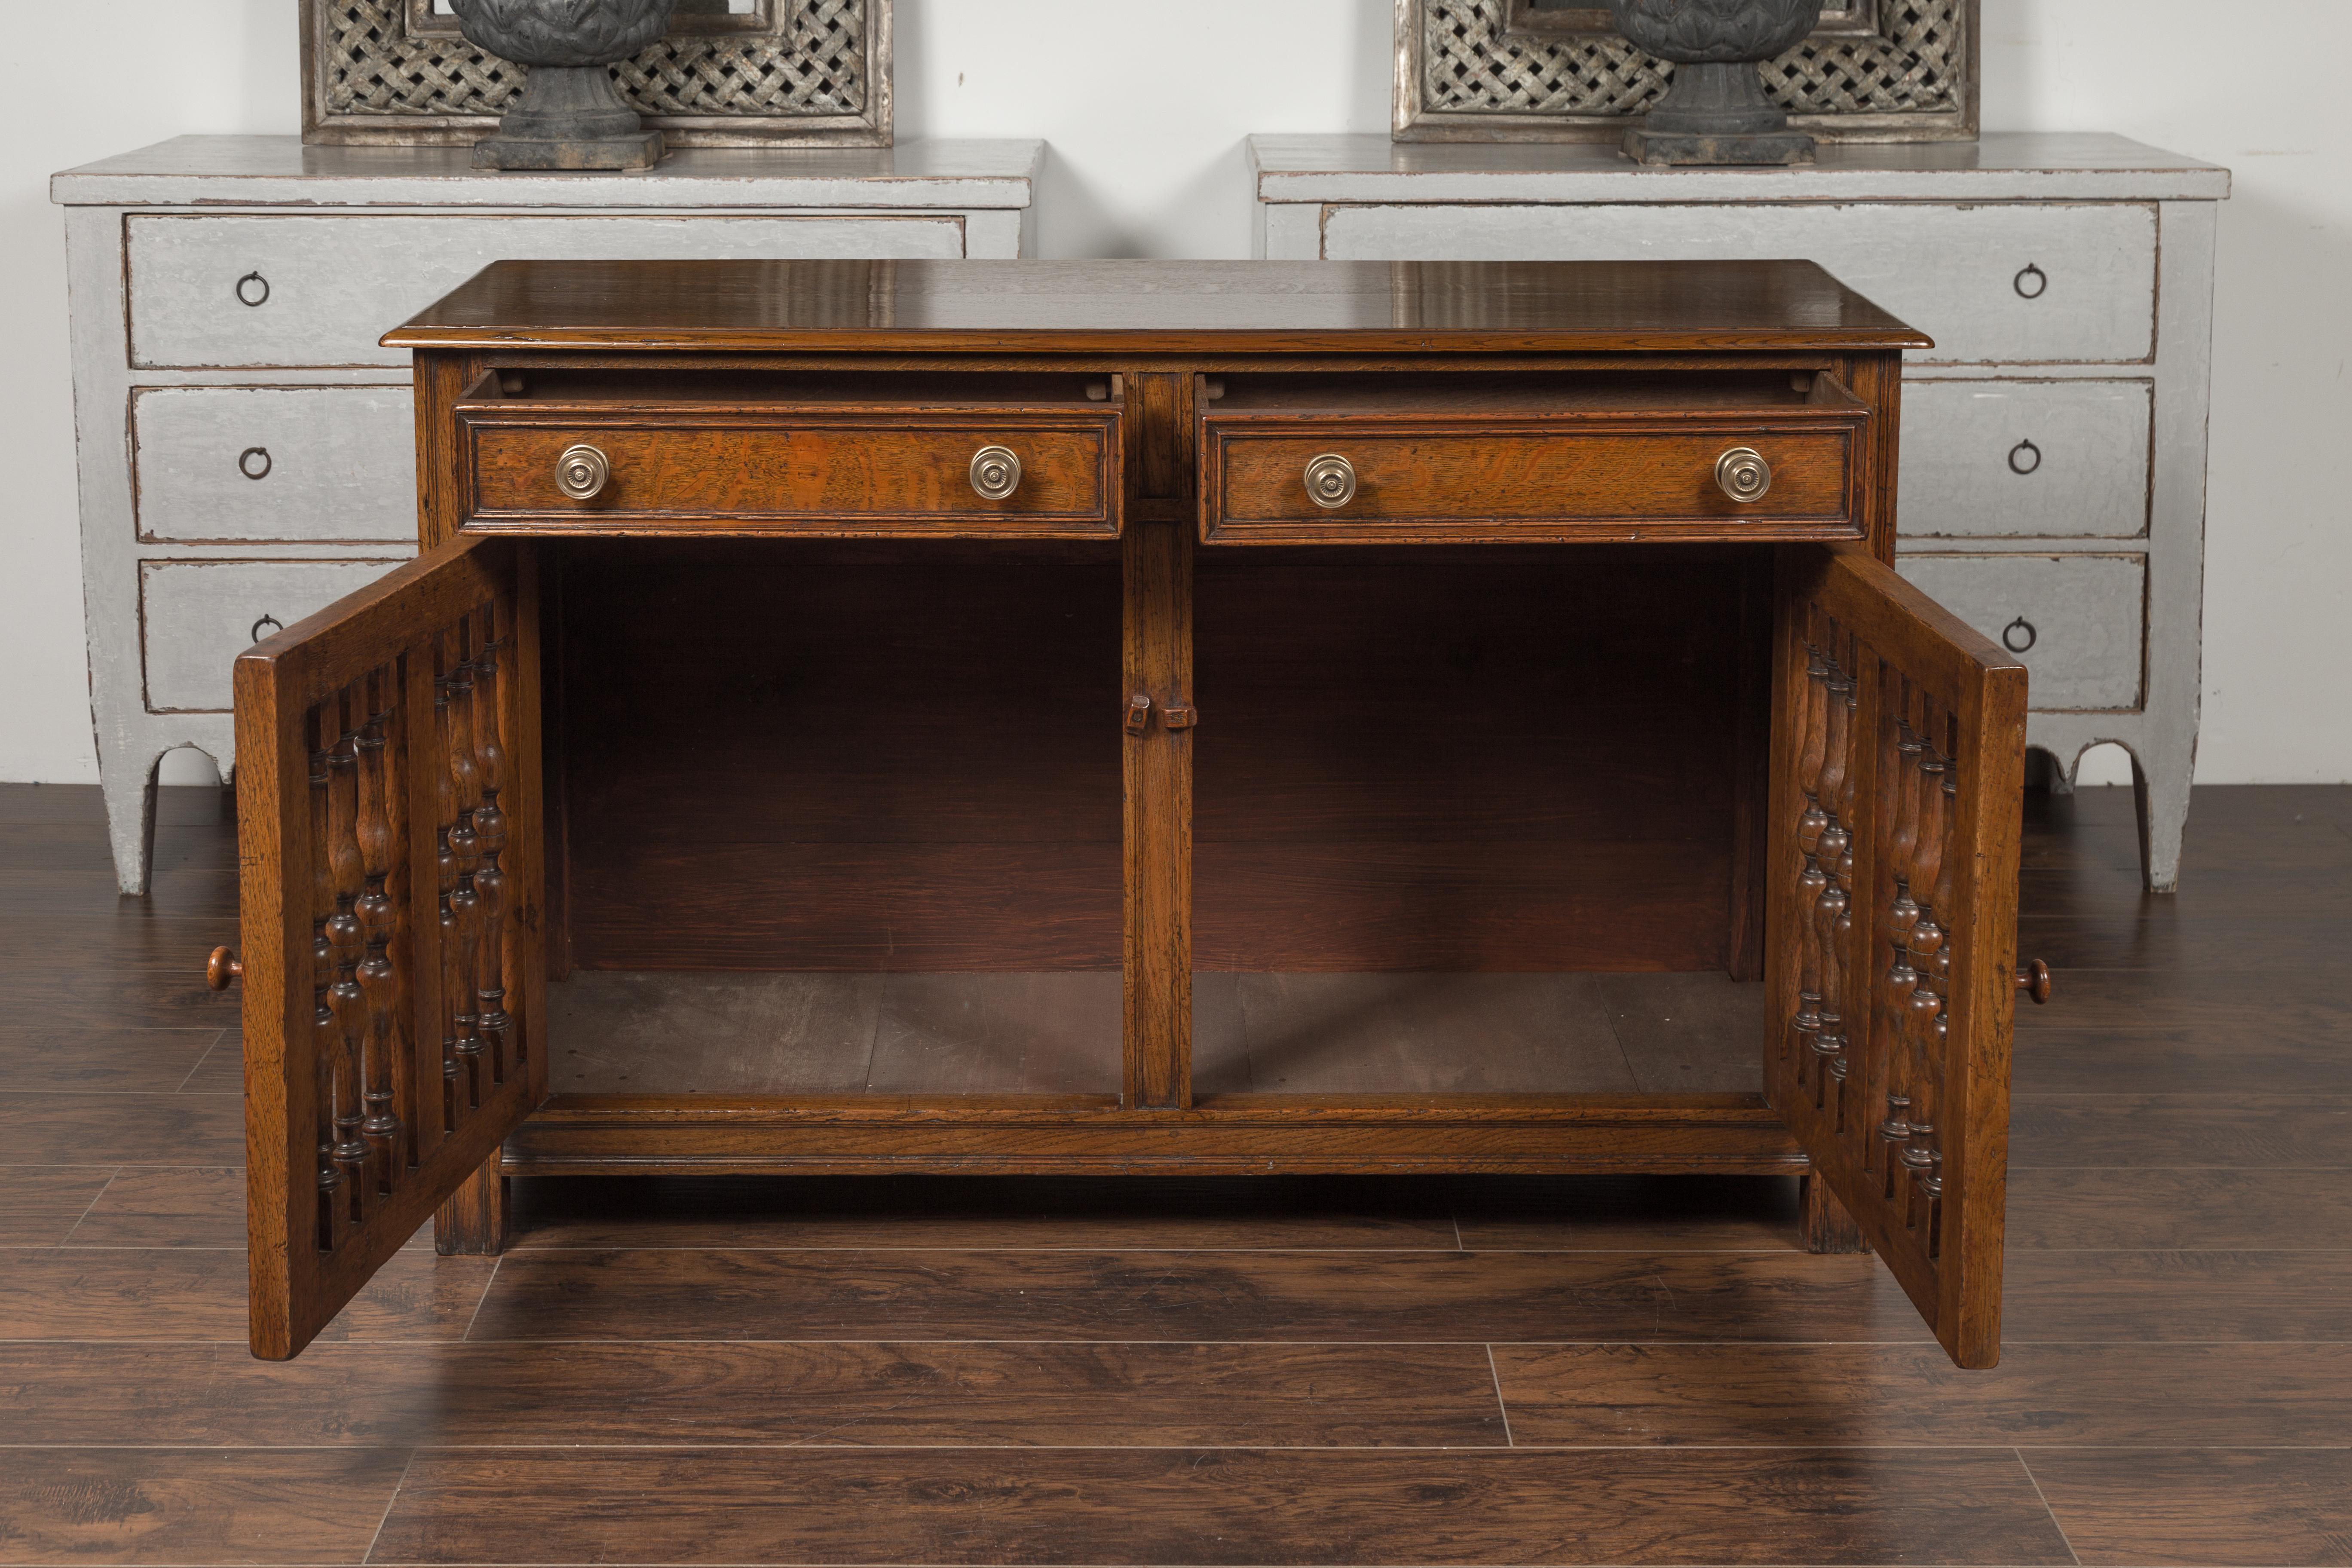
(1899,756)
(389,843)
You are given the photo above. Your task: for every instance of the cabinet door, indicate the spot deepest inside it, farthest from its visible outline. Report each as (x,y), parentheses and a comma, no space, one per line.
(1898,748)
(389,841)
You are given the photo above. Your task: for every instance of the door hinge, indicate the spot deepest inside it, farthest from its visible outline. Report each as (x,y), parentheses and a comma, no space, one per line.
(1173,715)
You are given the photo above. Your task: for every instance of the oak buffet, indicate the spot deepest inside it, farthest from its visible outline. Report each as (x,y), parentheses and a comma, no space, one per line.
(1128,718)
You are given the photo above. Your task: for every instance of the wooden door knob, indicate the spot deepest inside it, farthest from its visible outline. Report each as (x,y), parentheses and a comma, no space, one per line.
(222,967)
(2033,979)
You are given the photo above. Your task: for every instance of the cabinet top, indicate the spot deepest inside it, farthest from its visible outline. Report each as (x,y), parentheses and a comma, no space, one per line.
(2038,166)
(281,171)
(1168,307)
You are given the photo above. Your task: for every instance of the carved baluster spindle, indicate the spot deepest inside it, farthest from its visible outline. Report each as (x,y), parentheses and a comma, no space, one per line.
(444,818)
(1901,979)
(343,933)
(464,901)
(401,949)
(326,1037)
(1835,847)
(378,980)
(1928,868)
(491,837)
(1853,990)
(1924,1134)
(1810,824)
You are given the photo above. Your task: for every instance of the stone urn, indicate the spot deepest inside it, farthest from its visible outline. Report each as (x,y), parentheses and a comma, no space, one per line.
(569,114)
(1716,112)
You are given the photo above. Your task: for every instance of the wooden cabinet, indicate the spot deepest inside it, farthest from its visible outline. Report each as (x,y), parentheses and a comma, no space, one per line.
(1135,718)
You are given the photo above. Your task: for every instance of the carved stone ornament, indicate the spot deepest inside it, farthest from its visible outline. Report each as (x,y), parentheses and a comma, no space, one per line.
(776,73)
(570,115)
(1562,71)
(1717,110)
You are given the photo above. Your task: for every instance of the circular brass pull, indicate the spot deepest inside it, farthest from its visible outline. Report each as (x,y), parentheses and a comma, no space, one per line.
(1744,474)
(2030,283)
(1330,481)
(581,472)
(2009,636)
(254,462)
(253,289)
(995,472)
(222,967)
(2025,457)
(272,621)
(2033,980)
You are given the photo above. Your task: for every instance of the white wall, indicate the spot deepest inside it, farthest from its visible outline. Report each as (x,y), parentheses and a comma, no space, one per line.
(1146,102)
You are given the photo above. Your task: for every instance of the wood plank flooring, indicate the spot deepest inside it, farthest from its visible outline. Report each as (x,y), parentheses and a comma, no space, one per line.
(1207,1371)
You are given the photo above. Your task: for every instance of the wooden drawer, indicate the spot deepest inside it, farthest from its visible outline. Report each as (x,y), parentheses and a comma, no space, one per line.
(330,464)
(1549,460)
(2076,622)
(196,617)
(2009,284)
(2050,459)
(820,470)
(282,291)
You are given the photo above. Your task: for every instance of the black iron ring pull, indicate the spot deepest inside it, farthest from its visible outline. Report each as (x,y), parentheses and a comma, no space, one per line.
(2025,457)
(245,296)
(2039,279)
(272,621)
(2009,636)
(247,464)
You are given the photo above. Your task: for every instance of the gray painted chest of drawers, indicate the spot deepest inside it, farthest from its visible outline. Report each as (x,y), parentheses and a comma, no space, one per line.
(246,449)
(2053,487)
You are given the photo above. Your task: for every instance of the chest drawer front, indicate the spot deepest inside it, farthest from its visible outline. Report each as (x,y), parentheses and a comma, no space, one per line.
(331,464)
(281,290)
(2003,284)
(196,617)
(2076,622)
(810,475)
(1494,484)
(2064,459)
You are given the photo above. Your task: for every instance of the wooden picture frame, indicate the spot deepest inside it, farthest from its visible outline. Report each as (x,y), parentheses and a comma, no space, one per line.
(782,73)
(1556,71)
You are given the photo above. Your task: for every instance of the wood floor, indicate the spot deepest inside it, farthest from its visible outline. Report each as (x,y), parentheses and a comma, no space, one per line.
(1215,1372)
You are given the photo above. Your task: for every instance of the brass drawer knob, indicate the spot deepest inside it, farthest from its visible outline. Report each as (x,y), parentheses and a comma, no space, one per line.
(581,471)
(1744,474)
(995,472)
(1330,481)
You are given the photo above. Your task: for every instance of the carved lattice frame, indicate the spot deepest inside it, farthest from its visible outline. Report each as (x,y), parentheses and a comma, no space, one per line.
(793,73)
(1485,70)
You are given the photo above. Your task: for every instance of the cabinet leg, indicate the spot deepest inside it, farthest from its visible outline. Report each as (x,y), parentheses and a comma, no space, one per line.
(129,786)
(2161,796)
(1823,1222)
(474,1221)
